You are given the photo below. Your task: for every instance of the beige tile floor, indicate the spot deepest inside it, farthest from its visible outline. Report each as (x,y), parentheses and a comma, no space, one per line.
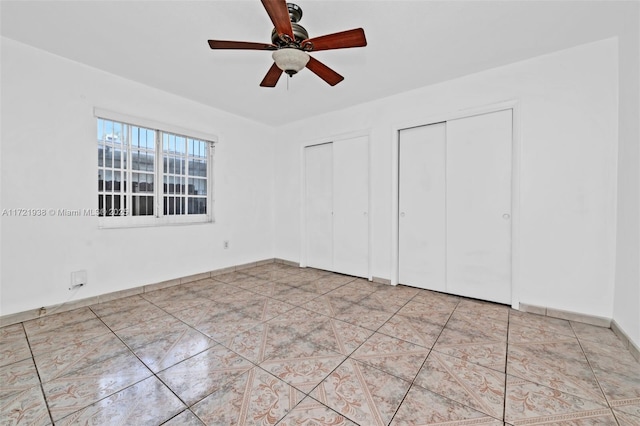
(282,345)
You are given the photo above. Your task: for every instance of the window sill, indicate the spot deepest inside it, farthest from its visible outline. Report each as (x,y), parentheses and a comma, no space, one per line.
(152,221)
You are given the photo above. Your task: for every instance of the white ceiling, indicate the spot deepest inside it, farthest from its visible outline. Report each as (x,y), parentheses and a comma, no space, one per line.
(411,44)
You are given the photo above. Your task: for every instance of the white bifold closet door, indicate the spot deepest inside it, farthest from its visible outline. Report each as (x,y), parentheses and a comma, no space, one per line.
(455,206)
(319,205)
(336,206)
(422,232)
(479,206)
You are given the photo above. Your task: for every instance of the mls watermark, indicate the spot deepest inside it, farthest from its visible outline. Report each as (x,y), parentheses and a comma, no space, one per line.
(30,212)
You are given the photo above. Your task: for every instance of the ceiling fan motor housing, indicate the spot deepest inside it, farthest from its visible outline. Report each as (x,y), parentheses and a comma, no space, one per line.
(299,32)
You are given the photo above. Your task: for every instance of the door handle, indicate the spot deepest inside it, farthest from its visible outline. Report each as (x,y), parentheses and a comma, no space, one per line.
(402,214)
(506,216)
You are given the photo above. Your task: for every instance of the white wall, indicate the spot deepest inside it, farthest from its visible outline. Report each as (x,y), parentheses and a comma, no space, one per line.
(568,125)
(627,289)
(49,161)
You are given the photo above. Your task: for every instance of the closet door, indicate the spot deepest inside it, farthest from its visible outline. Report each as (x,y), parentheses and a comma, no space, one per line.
(479,206)
(351,206)
(319,205)
(422,215)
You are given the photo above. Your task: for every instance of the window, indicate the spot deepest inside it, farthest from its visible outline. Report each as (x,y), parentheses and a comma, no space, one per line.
(148,176)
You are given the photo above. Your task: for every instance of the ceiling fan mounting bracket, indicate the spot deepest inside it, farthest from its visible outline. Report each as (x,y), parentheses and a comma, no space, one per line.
(295,12)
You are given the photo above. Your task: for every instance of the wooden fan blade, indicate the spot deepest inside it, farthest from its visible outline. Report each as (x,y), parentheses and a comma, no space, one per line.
(341,40)
(244,45)
(272,77)
(279,14)
(324,72)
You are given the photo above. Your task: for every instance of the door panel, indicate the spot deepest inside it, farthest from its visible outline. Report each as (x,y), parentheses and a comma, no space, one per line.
(422,218)
(478,173)
(350,206)
(319,205)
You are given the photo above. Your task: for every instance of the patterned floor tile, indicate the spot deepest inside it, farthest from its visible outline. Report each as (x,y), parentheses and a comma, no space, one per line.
(271,275)
(211,289)
(492,354)
(14,345)
(164,342)
(556,365)
(296,280)
(364,317)
(622,391)
(224,326)
(83,354)
(354,346)
(296,317)
(201,313)
(541,323)
(315,287)
(312,413)
(415,330)
(391,355)
(361,393)
(253,398)
(328,305)
(125,304)
(522,333)
(250,282)
(626,419)
(25,408)
(398,292)
(130,312)
(469,384)
(422,407)
(186,418)
(333,281)
(436,301)
(530,403)
(230,277)
(380,302)
(75,391)
(486,310)
(338,336)
(270,288)
(56,321)
(610,358)
(436,314)
(18,377)
(262,341)
(199,376)
(349,293)
(484,346)
(311,273)
(130,406)
(67,335)
(302,364)
(470,330)
(592,333)
(174,299)
(264,309)
(295,296)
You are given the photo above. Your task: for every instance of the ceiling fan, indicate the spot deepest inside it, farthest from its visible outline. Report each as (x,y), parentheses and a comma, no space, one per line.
(290,43)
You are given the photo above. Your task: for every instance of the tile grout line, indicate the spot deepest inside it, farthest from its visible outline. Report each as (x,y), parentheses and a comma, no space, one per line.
(40,384)
(425,360)
(506,367)
(594,374)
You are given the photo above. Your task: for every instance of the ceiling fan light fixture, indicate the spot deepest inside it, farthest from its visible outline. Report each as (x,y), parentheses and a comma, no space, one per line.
(290,60)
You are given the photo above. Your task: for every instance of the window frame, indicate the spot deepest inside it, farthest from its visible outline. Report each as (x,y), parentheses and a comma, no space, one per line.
(158,218)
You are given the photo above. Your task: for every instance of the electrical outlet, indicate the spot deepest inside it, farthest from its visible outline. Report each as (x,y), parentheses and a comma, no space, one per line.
(225,244)
(78,279)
